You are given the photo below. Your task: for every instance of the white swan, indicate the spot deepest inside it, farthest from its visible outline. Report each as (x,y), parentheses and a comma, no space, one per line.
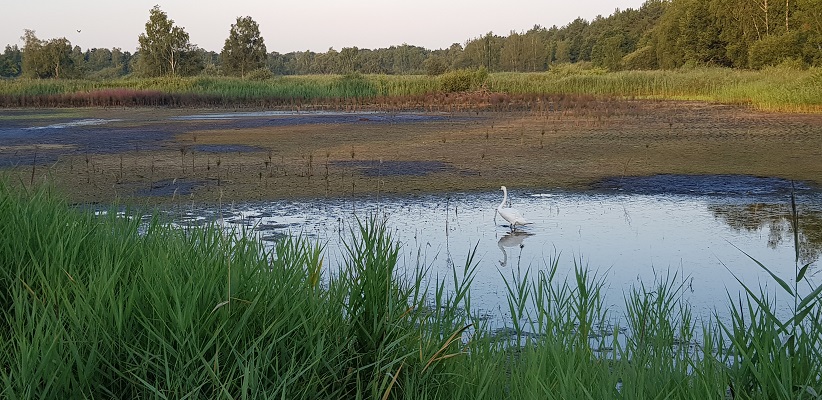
(513,216)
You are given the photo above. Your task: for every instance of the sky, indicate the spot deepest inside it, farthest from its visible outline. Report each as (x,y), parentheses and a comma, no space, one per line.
(295,25)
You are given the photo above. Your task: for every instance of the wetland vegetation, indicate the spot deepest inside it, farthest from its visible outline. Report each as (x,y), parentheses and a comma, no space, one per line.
(122,304)
(127,305)
(734,51)
(773,89)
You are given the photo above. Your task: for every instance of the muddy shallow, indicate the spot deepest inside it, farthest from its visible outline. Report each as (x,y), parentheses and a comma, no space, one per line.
(98,155)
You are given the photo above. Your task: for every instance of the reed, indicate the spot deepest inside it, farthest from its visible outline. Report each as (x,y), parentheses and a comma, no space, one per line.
(775,88)
(124,304)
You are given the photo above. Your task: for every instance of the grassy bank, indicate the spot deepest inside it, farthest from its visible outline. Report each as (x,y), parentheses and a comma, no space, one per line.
(776,89)
(129,307)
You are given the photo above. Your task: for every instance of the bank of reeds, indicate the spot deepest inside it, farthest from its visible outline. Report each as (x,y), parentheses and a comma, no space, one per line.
(776,89)
(124,306)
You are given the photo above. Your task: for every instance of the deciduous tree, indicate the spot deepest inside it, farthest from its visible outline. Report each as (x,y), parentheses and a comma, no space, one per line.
(11,62)
(349,60)
(46,59)
(514,53)
(244,49)
(165,48)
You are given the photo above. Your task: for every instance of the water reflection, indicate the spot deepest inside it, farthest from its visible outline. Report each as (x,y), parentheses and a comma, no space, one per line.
(514,240)
(628,238)
(776,220)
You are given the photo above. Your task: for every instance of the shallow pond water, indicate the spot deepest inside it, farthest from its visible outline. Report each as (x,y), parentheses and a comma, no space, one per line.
(625,237)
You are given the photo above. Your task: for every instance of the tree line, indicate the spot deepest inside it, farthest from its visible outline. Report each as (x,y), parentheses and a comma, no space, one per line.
(661,34)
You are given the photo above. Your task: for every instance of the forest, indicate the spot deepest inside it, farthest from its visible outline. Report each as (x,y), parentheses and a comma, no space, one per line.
(661,34)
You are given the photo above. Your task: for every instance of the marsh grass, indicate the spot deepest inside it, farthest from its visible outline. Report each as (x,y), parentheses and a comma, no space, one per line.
(775,89)
(125,305)
(776,353)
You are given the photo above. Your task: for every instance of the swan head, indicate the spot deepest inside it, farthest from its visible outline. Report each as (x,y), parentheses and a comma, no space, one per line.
(502,188)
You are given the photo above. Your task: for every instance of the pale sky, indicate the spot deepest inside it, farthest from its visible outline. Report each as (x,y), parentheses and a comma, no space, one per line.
(295,25)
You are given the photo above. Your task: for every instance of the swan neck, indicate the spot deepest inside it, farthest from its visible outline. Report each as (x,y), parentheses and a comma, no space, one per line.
(504,199)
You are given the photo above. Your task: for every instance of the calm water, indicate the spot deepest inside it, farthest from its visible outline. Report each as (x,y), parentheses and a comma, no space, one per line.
(625,238)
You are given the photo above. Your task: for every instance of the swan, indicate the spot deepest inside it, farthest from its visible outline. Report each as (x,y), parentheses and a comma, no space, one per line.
(513,216)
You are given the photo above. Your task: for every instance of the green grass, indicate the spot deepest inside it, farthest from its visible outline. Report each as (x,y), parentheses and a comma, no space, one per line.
(130,307)
(775,89)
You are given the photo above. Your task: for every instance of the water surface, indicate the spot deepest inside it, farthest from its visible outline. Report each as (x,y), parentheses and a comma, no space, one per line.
(626,238)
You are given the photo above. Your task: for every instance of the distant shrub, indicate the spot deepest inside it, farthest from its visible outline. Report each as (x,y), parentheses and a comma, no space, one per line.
(774,49)
(643,58)
(210,70)
(260,74)
(107,73)
(435,65)
(463,80)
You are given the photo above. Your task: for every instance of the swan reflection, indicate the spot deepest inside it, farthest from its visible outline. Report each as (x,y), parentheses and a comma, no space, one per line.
(511,239)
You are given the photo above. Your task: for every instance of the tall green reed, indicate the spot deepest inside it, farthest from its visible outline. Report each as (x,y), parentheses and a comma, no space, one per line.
(775,353)
(777,88)
(126,305)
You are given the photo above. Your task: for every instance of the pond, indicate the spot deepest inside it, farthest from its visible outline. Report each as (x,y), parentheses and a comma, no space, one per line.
(627,232)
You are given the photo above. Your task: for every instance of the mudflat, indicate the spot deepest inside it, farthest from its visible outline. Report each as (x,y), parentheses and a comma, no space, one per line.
(148,154)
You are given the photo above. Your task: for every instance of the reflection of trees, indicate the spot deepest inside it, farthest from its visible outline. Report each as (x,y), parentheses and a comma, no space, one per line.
(777,218)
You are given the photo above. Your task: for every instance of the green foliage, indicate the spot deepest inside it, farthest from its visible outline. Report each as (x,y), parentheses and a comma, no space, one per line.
(348,60)
(435,65)
(774,49)
(482,52)
(125,306)
(122,305)
(11,62)
(785,89)
(260,74)
(641,59)
(608,52)
(355,86)
(165,49)
(772,356)
(513,53)
(462,80)
(244,50)
(46,59)
(659,34)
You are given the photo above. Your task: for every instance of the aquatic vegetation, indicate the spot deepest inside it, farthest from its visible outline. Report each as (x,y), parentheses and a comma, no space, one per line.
(122,304)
